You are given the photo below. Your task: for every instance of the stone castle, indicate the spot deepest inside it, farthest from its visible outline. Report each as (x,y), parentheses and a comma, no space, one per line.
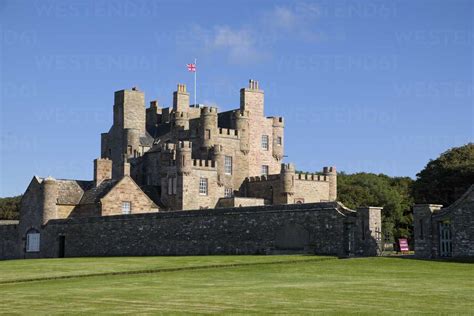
(223,169)
(193,157)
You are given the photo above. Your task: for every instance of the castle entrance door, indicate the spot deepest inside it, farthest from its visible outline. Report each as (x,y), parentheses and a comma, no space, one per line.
(62,246)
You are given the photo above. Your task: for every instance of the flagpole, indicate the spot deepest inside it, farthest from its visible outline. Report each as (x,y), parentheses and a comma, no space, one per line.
(195,79)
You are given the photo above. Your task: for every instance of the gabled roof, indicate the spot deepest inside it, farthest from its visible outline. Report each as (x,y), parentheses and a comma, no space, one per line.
(94,194)
(466,199)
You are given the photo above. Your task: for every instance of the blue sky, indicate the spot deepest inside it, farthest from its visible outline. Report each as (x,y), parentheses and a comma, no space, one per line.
(375,86)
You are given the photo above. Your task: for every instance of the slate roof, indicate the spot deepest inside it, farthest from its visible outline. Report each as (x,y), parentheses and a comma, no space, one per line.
(225,119)
(75,192)
(94,194)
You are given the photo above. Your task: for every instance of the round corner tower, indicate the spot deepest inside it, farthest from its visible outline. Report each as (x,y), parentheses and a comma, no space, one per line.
(331,174)
(180,121)
(50,197)
(183,157)
(208,128)
(287,178)
(241,119)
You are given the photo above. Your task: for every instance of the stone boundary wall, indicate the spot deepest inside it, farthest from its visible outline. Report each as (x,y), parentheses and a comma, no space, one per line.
(321,228)
(9,248)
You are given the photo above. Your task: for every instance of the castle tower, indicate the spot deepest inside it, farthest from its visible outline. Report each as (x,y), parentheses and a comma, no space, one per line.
(251,99)
(180,123)
(278,128)
(218,157)
(181,99)
(102,170)
(183,158)
(208,127)
(50,196)
(287,178)
(241,119)
(152,115)
(131,143)
(331,174)
(167,157)
(129,109)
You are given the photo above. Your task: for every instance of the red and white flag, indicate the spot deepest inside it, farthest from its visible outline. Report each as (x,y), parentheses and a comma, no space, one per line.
(191,67)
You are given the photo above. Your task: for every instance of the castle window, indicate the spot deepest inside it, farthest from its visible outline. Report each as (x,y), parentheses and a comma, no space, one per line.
(203,186)
(228,165)
(265,142)
(265,170)
(126,207)
(172,185)
(32,241)
(228,192)
(208,134)
(279,141)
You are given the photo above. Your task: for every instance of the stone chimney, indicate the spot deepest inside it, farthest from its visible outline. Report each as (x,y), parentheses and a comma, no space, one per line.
(126,169)
(102,170)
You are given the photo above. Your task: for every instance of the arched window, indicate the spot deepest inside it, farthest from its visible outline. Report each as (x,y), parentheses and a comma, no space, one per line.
(32,240)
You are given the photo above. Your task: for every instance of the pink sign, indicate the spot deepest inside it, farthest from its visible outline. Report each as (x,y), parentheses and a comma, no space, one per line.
(403,244)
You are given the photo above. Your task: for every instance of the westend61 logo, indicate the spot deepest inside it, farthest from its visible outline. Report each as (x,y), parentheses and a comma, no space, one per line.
(100,8)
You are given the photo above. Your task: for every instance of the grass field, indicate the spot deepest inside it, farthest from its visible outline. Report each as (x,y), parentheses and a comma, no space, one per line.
(236,284)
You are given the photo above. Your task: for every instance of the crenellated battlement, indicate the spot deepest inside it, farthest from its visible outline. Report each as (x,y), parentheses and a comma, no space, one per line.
(329,170)
(270,177)
(204,163)
(208,110)
(287,167)
(184,144)
(180,115)
(311,177)
(168,147)
(278,121)
(241,114)
(229,132)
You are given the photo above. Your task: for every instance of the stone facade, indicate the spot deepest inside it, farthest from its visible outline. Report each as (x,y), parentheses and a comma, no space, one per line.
(445,232)
(178,149)
(322,228)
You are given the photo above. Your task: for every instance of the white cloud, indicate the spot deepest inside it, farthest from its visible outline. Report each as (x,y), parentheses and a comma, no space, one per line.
(241,44)
(244,44)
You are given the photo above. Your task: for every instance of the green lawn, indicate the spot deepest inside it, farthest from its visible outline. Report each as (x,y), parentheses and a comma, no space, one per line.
(236,284)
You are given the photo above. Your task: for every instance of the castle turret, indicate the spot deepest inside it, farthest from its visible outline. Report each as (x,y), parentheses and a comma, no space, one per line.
(241,119)
(180,123)
(129,109)
(287,178)
(331,174)
(102,170)
(181,99)
(278,128)
(183,157)
(218,157)
(131,142)
(208,126)
(167,157)
(251,99)
(50,197)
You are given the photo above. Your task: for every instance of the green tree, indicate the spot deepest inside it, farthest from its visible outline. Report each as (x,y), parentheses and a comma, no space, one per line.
(10,207)
(393,194)
(446,178)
